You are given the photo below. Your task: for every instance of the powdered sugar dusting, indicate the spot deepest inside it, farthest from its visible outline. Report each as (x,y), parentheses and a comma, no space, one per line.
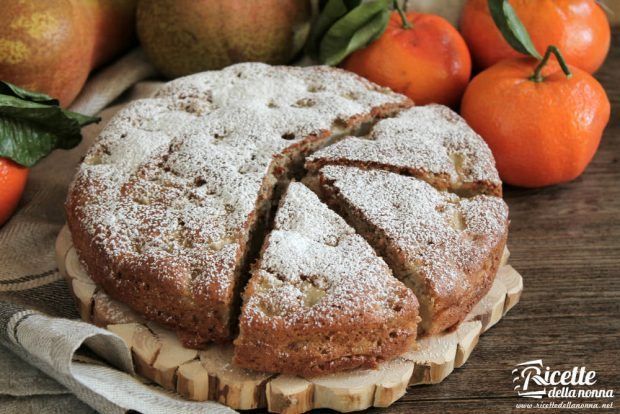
(423,140)
(440,234)
(172,186)
(305,100)
(107,311)
(315,270)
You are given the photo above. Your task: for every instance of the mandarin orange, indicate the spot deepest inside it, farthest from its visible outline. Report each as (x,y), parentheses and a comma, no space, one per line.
(429,61)
(543,131)
(13,179)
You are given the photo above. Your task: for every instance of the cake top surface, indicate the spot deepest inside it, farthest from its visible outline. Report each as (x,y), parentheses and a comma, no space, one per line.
(172,181)
(315,271)
(440,234)
(428,139)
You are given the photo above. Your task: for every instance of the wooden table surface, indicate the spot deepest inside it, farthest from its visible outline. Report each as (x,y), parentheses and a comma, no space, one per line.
(565,241)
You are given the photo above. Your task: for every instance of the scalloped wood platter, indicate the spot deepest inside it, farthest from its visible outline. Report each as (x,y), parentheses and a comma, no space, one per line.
(210,374)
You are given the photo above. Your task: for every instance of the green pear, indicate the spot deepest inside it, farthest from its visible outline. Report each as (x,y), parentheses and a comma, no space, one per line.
(181,37)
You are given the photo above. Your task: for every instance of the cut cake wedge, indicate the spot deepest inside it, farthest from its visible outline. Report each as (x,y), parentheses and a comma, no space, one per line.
(444,247)
(320,299)
(429,142)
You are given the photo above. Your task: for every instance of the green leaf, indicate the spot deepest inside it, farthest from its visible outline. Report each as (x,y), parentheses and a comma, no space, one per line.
(331,11)
(32,125)
(14,90)
(355,30)
(511,27)
(81,119)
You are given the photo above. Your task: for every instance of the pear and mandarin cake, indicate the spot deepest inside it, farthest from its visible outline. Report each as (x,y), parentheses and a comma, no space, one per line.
(430,142)
(169,209)
(319,298)
(166,206)
(446,248)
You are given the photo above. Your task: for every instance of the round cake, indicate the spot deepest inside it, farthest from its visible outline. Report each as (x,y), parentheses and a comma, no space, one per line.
(185,211)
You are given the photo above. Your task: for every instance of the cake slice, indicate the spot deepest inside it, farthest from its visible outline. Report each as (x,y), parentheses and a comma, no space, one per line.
(430,142)
(168,204)
(445,248)
(319,299)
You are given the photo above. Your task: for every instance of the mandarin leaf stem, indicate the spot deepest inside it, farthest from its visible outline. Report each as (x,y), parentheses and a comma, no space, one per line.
(538,77)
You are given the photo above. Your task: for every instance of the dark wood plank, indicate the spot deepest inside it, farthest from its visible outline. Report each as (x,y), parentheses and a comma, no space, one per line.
(565,241)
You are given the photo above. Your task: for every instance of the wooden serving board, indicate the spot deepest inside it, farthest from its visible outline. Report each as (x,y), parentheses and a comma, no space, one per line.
(210,374)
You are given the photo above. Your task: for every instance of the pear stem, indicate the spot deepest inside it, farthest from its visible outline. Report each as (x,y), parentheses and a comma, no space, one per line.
(538,77)
(406,24)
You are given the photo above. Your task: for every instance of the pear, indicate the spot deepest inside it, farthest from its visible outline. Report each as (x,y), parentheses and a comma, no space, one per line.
(51,46)
(181,37)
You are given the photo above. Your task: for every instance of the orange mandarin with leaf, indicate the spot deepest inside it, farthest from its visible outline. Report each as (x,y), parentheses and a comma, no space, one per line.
(542,118)
(579,28)
(420,55)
